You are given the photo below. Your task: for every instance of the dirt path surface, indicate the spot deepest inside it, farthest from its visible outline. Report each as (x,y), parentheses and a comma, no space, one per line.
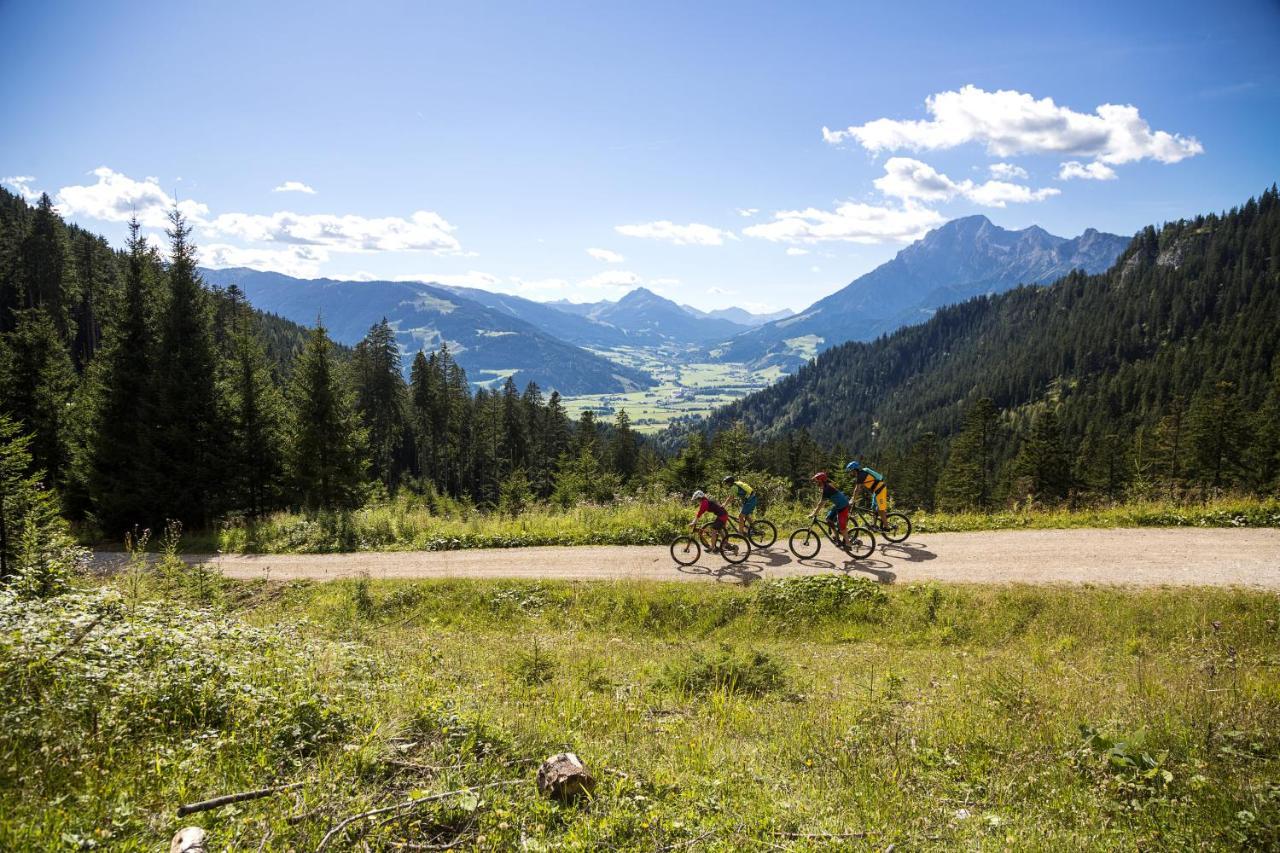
(1142,557)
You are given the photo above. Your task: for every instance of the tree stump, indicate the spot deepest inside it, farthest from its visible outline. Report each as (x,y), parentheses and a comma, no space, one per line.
(564,777)
(190,839)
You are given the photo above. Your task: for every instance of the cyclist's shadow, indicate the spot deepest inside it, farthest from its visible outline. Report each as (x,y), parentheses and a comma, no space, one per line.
(768,558)
(878,569)
(742,573)
(911,552)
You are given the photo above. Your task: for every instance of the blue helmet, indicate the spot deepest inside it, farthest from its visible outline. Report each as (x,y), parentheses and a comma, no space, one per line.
(855,465)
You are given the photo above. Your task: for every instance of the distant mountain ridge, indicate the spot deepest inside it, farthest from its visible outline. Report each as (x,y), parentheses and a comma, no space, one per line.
(490,343)
(961,259)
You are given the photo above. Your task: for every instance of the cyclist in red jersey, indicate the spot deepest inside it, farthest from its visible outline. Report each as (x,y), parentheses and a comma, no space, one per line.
(705,504)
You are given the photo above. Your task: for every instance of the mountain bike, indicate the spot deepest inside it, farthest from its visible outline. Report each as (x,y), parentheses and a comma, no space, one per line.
(806,542)
(686,549)
(762,533)
(899,523)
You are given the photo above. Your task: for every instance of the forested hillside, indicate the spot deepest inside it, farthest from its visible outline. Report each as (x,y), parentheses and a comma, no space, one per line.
(1161,371)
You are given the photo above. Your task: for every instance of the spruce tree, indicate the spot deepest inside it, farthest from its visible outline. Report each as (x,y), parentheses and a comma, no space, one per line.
(1042,467)
(624,450)
(425,395)
(325,454)
(1217,436)
(36,385)
(967,480)
(255,414)
(380,401)
(120,463)
(190,450)
(918,481)
(47,271)
(37,553)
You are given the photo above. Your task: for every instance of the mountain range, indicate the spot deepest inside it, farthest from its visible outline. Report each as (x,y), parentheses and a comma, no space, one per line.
(963,258)
(489,342)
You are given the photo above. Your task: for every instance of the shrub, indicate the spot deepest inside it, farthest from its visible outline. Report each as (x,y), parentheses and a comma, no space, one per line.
(814,596)
(753,673)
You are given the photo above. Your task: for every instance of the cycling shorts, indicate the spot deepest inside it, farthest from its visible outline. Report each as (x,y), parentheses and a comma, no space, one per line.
(720,522)
(880,498)
(840,515)
(749,505)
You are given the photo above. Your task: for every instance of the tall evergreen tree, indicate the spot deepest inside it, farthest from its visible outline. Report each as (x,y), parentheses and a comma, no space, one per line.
(36,384)
(325,454)
(917,483)
(624,450)
(1217,436)
(191,436)
(425,396)
(255,413)
(380,401)
(47,271)
(968,478)
(120,447)
(1043,467)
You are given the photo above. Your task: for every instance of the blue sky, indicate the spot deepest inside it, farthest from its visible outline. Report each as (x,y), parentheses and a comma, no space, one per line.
(496,144)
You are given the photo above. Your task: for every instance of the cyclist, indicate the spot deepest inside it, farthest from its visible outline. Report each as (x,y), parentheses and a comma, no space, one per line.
(839,512)
(705,504)
(748,499)
(873,482)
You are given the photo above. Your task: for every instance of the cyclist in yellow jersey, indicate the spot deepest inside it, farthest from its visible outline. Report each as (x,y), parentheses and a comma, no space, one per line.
(748,498)
(872,481)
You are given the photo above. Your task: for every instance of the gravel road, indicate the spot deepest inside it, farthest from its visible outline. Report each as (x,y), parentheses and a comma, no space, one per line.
(1140,557)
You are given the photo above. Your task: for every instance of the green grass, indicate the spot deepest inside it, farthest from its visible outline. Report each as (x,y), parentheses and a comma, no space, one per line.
(650,520)
(816,713)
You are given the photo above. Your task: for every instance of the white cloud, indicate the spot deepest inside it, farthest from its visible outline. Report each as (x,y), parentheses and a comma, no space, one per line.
(795,252)
(748,211)
(294,187)
(693,234)
(611,278)
(1009,123)
(424,231)
(851,222)
(609,257)
(1007,171)
(297,261)
(22,183)
(914,181)
(1086,171)
(117,198)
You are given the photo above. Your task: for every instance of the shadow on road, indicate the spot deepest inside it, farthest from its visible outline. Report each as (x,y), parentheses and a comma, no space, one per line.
(743,573)
(911,552)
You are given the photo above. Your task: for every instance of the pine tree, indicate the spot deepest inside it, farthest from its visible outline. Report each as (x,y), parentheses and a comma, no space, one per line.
(325,453)
(1217,436)
(36,385)
(425,395)
(1042,466)
(190,448)
(731,452)
(380,401)
(689,470)
(624,451)
(1170,448)
(586,434)
(967,480)
(918,481)
(37,554)
(255,410)
(119,464)
(47,271)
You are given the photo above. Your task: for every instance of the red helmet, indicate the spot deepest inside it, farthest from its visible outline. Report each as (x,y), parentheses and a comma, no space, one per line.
(821,477)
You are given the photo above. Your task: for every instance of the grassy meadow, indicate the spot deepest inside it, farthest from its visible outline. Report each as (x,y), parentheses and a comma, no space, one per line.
(407,524)
(817,713)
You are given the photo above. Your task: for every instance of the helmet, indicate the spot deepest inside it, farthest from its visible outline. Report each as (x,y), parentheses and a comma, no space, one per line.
(855,465)
(821,477)
(727,480)
(699,495)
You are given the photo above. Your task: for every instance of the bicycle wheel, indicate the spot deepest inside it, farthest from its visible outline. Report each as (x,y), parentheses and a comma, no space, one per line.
(735,547)
(805,543)
(899,527)
(763,533)
(685,550)
(862,543)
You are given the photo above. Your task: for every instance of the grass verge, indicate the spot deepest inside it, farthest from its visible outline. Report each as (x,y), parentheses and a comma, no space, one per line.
(802,714)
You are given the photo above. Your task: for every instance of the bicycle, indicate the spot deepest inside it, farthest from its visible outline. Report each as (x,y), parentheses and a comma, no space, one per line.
(806,542)
(686,549)
(762,533)
(899,523)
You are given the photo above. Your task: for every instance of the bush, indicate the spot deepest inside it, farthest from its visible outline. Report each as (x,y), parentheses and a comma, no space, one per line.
(753,673)
(814,596)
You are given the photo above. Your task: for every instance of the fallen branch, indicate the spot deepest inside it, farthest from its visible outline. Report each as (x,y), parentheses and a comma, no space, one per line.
(228,799)
(407,804)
